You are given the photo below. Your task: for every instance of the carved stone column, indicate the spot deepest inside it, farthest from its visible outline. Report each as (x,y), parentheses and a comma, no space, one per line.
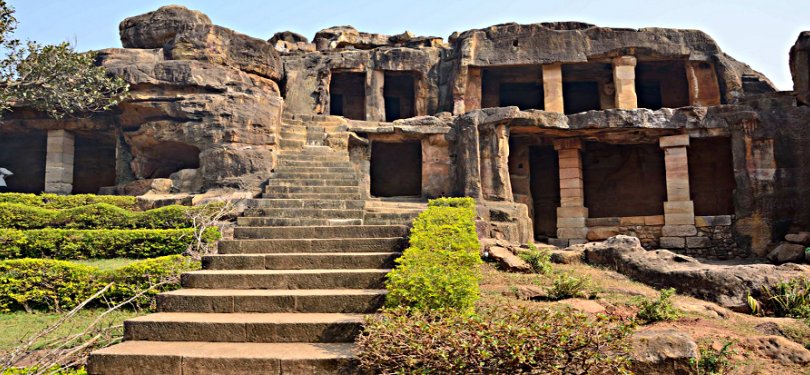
(571,214)
(553,88)
(375,101)
(59,162)
(624,79)
(679,210)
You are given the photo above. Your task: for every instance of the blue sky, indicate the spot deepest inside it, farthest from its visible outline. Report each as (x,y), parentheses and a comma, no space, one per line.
(759,33)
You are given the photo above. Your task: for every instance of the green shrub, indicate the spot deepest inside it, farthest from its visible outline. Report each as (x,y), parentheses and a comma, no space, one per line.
(567,285)
(712,361)
(786,299)
(500,341)
(660,309)
(54,201)
(56,370)
(96,243)
(55,285)
(93,216)
(539,260)
(440,268)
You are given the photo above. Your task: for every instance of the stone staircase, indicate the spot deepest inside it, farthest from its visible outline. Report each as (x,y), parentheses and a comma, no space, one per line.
(288,294)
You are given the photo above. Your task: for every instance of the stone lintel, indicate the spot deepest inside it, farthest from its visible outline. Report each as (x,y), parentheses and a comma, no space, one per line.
(674,141)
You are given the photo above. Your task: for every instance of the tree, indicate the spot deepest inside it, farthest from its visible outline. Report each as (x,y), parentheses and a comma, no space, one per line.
(54,79)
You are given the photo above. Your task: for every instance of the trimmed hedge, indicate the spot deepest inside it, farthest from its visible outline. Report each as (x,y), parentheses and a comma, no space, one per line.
(97,243)
(440,269)
(54,201)
(55,285)
(93,216)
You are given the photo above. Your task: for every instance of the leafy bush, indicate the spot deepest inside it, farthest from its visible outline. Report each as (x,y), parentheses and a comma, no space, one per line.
(712,361)
(539,260)
(440,268)
(500,341)
(96,243)
(54,201)
(55,285)
(660,309)
(786,299)
(567,285)
(93,216)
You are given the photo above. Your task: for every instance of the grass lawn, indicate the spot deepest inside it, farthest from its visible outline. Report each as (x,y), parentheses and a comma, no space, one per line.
(106,264)
(14,326)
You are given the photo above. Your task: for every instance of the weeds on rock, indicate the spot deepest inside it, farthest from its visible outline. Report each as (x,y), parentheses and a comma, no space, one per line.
(786,299)
(539,260)
(658,310)
(566,285)
(713,361)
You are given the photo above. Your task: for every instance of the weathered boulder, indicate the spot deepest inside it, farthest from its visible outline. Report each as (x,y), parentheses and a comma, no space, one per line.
(288,41)
(567,256)
(787,252)
(802,238)
(800,67)
(780,349)
(726,285)
(507,260)
(156,28)
(662,351)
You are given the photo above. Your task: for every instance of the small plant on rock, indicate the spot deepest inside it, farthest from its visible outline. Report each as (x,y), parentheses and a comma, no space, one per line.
(785,299)
(658,310)
(713,361)
(539,260)
(566,285)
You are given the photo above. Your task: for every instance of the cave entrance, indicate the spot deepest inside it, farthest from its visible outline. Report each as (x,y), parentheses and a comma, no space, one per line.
(399,92)
(24,155)
(623,180)
(661,84)
(93,162)
(544,177)
(396,169)
(162,159)
(520,86)
(347,92)
(584,87)
(711,176)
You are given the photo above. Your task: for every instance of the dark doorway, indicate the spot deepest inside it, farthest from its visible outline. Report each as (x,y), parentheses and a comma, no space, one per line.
(396,169)
(661,84)
(711,176)
(24,155)
(545,189)
(583,87)
(347,95)
(400,95)
(624,180)
(519,86)
(94,162)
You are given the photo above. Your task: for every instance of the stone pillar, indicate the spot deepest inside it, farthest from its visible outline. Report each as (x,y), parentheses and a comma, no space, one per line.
(571,214)
(59,162)
(437,167)
(679,210)
(624,79)
(553,88)
(472,93)
(375,101)
(702,81)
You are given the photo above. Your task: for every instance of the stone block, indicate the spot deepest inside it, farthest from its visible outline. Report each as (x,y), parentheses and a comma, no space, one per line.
(679,219)
(571,183)
(678,194)
(603,221)
(678,230)
(679,207)
(566,173)
(570,153)
(601,233)
(58,188)
(672,242)
(654,220)
(570,222)
(711,221)
(577,241)
(698,242)
(631,220)
(569,233)
(572,201)
(570,193)
(559,242)
(567,143)
(570,162)
(674,140)
(572,212)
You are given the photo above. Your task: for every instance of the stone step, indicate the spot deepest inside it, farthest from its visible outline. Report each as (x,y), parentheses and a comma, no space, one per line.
(313,189)
(300,261)
(361,231)
(331,245)
(304,213)
(312,196)
(244,327)
(314,157)
(274,182)
(296,222)
(407,216)
(294,144)
(224,358)
(307,163)
(314,170)
(292,174)
(358,301)
(356,204)
(286,279)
